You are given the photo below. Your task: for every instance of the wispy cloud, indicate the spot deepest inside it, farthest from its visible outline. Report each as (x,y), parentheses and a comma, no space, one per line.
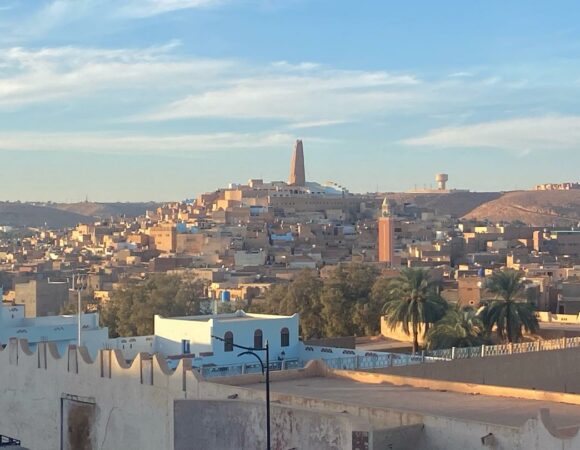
(148,8)
(461,75)
(142,143)
(42,18)
(33,76)
(521,135)
(316,124)
(320,96)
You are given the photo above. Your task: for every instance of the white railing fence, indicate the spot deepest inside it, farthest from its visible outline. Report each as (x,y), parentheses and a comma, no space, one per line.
(377,360)
(504,349)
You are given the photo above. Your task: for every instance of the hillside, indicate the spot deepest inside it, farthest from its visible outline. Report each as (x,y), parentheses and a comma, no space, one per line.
(26,215)
(540,208)
(456,204)
(105,210)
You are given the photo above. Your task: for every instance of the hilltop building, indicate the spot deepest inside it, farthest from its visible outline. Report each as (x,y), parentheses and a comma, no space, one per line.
(297,172)
(386,237)
(441,179)
(263,201)
(557,186)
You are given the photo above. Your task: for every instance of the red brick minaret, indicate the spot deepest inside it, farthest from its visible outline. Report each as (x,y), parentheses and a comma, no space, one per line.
(297,173)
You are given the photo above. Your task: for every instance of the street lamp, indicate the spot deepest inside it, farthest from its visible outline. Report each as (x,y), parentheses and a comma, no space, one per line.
(265,368)
(79,283)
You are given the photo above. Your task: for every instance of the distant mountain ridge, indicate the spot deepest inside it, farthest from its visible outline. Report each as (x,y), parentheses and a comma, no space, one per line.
(455,204)
(104,210)
(61,215)
(28,215)
(538,208)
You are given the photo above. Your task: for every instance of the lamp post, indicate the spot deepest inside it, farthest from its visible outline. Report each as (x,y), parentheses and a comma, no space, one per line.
(79,283)
(265,369)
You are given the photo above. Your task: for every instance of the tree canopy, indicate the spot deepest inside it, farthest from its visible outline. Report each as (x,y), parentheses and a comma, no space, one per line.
(504,313)
(460,327)
(343,304)
(412,300)
(132,306)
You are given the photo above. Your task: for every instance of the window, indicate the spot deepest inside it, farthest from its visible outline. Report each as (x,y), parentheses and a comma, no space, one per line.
(285,337)
(258,339)
(229,341)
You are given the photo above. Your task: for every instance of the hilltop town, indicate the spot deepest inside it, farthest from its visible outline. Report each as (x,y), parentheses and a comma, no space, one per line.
(245,238)
(309,284)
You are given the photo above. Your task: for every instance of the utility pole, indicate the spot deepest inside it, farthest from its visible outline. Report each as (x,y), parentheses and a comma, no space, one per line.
(79,284)
(265,369)
(268,443)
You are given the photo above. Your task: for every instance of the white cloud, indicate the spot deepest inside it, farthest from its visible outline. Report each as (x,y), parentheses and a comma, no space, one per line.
(143,143)
(161,84)
(147,8)
(322,95)
(519,134)
(316,124)
(461,75)
(32,76)
(304,93)
(303,66)
(46,17)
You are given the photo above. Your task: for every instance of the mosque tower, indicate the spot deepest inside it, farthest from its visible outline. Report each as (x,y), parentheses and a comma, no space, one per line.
(297,172)
(386,237)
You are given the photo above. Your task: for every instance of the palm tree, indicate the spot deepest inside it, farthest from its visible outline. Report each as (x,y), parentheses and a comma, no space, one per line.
(413,299)
(460,327)
(504,312)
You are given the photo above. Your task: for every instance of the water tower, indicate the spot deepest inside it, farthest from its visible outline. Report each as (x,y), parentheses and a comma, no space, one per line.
(441,179)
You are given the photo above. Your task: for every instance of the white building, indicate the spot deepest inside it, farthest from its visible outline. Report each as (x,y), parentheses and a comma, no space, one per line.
(62,330)
(193,336)
(208,342)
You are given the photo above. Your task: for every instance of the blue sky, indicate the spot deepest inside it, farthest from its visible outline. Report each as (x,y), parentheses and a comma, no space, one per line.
(164,99)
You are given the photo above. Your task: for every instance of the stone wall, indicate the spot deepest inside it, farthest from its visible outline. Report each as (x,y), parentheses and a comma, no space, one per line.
(235,425)
(110,405)
(553,370)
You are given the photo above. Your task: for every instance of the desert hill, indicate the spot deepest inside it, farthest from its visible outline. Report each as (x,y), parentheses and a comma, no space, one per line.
(106,210)
(456,204)
(60,215)
(540,208)
(27,215)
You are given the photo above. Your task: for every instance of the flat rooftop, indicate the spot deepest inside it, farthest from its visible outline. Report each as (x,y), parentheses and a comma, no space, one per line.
(230,317)
(481,408)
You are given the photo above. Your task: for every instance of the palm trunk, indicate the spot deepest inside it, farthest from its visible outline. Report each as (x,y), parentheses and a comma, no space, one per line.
(415,338)
(508,321)
(415,320)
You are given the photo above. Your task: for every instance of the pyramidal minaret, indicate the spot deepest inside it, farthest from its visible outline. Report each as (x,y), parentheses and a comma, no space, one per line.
(297,173)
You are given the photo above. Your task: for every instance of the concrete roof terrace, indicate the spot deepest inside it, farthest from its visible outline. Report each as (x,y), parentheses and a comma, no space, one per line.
(481,408)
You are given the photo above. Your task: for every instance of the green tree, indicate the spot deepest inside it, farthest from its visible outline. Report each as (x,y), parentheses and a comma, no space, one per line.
(131,308)
(340,305)
(301,296)
(413,300)
(508,315)
(460,327)
(348,307)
